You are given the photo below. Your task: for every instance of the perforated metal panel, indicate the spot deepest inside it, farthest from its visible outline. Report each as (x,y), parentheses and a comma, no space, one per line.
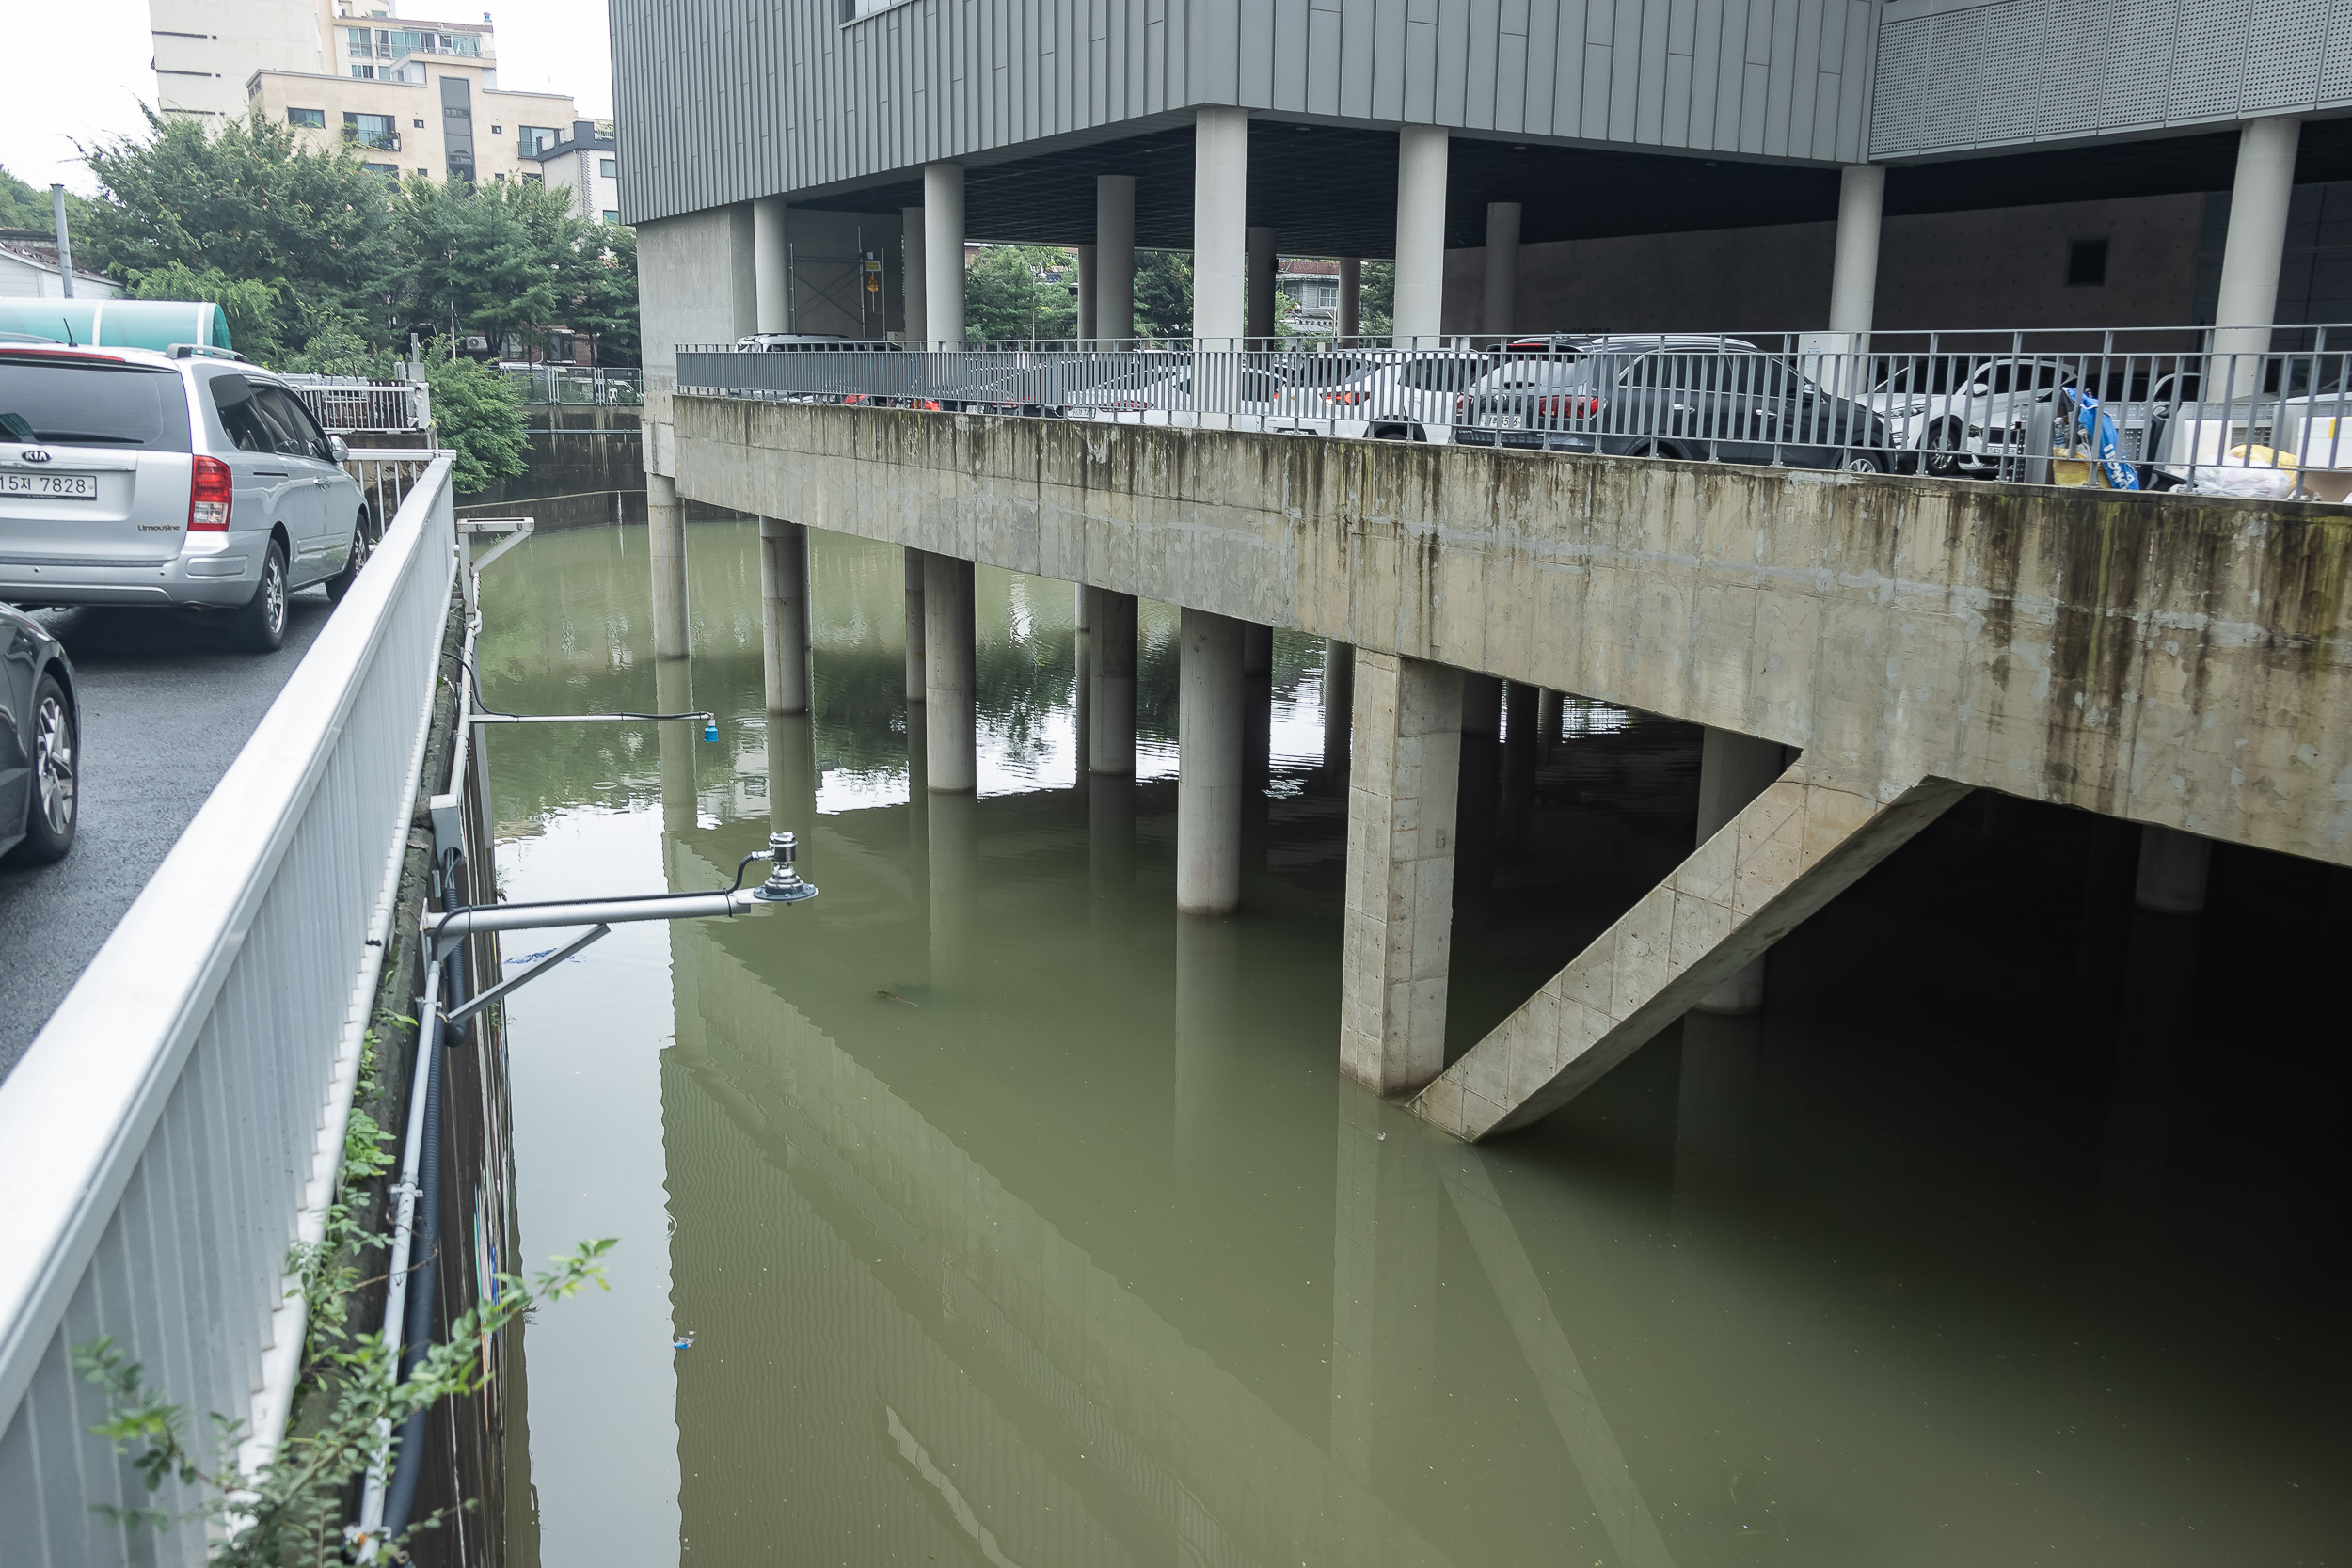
(1898,109)
(2076,38)
(2010,85)
(2210,70)
(2282,63)
(2139,68)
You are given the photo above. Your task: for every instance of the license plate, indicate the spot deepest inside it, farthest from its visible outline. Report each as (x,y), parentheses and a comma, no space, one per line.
(1500,421)
(72,488)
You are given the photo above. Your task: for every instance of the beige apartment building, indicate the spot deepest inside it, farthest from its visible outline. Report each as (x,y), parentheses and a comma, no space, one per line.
(416,96)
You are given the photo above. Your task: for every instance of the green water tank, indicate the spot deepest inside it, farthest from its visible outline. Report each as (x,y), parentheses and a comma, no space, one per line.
(155,324)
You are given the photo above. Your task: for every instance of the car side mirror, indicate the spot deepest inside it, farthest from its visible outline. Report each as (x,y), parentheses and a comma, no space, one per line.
(338,448)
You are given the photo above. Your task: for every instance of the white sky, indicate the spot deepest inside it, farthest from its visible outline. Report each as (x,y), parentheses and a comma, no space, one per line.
(95,69)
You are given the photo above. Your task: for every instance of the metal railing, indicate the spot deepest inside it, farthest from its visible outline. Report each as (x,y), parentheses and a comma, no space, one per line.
(573,384)
(2153,408)
(347,406)
(179,1124)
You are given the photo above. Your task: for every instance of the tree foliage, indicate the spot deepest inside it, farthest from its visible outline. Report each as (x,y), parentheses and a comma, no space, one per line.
(479,414)
(24,206)
(1163,293)
(1021,291)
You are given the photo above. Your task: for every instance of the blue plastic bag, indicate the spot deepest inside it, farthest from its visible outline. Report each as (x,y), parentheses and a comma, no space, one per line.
(2105,443)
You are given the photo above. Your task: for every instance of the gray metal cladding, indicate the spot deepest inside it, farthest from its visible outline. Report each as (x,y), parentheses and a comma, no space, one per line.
(1954,76)
(722,101)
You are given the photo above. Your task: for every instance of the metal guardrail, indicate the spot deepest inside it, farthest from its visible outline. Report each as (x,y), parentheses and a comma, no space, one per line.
(2158,408)
(573,384)
(179,1124)
(347,406)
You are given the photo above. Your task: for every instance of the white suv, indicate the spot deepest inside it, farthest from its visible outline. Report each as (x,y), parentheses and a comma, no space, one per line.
(183,479)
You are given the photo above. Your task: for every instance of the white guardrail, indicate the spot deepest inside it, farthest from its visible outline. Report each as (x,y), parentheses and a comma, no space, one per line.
(179,1125)
(349,405)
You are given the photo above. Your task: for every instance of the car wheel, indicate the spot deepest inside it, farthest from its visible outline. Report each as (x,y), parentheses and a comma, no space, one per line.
(1650,448)
(1941,457)
(260,626)
(1864,463)
(340,584)
(56,751)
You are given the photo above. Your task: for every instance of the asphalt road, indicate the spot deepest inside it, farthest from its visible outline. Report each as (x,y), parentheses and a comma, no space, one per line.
(165,706)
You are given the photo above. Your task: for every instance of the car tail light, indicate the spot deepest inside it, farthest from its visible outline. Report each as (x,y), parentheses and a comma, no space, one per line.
(1343,397)
(1462,406)
(210,491)
(1567,408)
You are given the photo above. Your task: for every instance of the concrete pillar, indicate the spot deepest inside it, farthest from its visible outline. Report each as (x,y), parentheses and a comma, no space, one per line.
(915,662)
(784,613)
(1481,767)
(954,859)
(1114,258)
(1734,769)
(2257,239)
(772,274)
(1211,1093)
(792,778)
(1209,762)
(674,693)
(942,254)
(950,714)
(1257,742)
(665,528)
(1088,291)
(1397,922)
(1853,279)
(1548,715)
(1420,177)
(2172,870)
(1351,314)
(1339,709)
(1261,266)
(1220,221)
(913,262)
(1518,759)
(1386,1234)
(1111,895)
(1111,739)
(1502,268)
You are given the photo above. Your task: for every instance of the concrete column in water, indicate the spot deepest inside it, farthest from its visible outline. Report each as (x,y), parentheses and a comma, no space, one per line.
(1855,266)
(942,254)
(1351,314)
(1111,735)
(2172,871)
(1339,704)
(1734,769)
(784,613)
(793,779)
(1397,922)
(1502,281)
(674,693)
(1211,1091)
(950,714)
(1209,764)
(1384,1287)
(954,863)
(1261,269)
(915,662)
(1220,221)
(772,273)
(1114,258)
(1421,179)
(912,265)
(2249,300)
(665,531)
(1518,759)
(1480,774)
(1257,740)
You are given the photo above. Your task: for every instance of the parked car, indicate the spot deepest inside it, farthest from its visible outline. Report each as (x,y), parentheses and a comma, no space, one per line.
(190,478)
(40,731)
(1244,396)
(1403,396)
(1955,413)
(1706,399)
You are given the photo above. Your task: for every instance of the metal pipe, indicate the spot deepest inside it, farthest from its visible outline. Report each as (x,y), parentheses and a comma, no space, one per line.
(461,923)
(65,241)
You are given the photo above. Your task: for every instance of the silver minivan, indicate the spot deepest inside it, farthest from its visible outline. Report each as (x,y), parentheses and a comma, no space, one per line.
(185,479)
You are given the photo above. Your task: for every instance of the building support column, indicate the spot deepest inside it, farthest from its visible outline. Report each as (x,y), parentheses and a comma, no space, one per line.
(1481,767)
(784,613)
(1114,258)
(1853,279)
(914,264)
(1518,759)
(1209,758)
(665,528)
(674,693)
(953,860)
(1111,741)
(1220,222)
(1339,711)
(949,717)
(772,267)
(1350,321)
(1089,291)
(1262,302)
(915,662)
(2249,300)
(1397,923)
(1550,711)
(1421,179)
(942,254)
(1386,1232)
(1502,268)
(1734,769)
(2172,871)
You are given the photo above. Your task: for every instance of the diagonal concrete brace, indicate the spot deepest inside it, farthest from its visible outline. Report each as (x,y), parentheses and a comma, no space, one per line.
(1807,838)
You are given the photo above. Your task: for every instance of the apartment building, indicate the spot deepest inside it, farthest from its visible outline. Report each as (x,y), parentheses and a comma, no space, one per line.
(585,161)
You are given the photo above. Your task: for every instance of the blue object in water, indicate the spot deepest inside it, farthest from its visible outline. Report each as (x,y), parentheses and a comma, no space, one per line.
(686,1343)
(710,729)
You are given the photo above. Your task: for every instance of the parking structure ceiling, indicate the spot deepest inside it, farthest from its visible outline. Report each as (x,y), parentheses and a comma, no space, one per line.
(1331,190)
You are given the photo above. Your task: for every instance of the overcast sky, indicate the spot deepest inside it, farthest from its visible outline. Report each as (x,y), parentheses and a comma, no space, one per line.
(80,71)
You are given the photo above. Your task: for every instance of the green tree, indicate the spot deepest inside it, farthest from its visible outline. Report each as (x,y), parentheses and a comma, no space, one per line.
(24,206)
(1021,291)
(1163,293)
(605,306)
(479,413)
(256,311)
(1376,304)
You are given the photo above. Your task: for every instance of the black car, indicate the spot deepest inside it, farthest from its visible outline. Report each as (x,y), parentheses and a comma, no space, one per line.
(40,742)
(1726,405)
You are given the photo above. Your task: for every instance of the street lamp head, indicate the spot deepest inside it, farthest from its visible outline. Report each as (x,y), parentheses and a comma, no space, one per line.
(784,884)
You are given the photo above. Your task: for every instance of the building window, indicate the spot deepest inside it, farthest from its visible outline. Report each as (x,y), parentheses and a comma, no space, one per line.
(604,166)
(388,172)
(533,180)
(315,119)
(2085,263)
(498,130)
(376,131)
(500,178)
(536,138)
(611,215)
(418,123)
(365,72)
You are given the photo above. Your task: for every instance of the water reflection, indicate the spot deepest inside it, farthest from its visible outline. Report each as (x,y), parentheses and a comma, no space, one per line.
(1021,1221)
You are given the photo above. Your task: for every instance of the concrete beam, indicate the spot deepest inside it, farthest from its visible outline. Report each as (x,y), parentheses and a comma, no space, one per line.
(1800,844)
(1734,769)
